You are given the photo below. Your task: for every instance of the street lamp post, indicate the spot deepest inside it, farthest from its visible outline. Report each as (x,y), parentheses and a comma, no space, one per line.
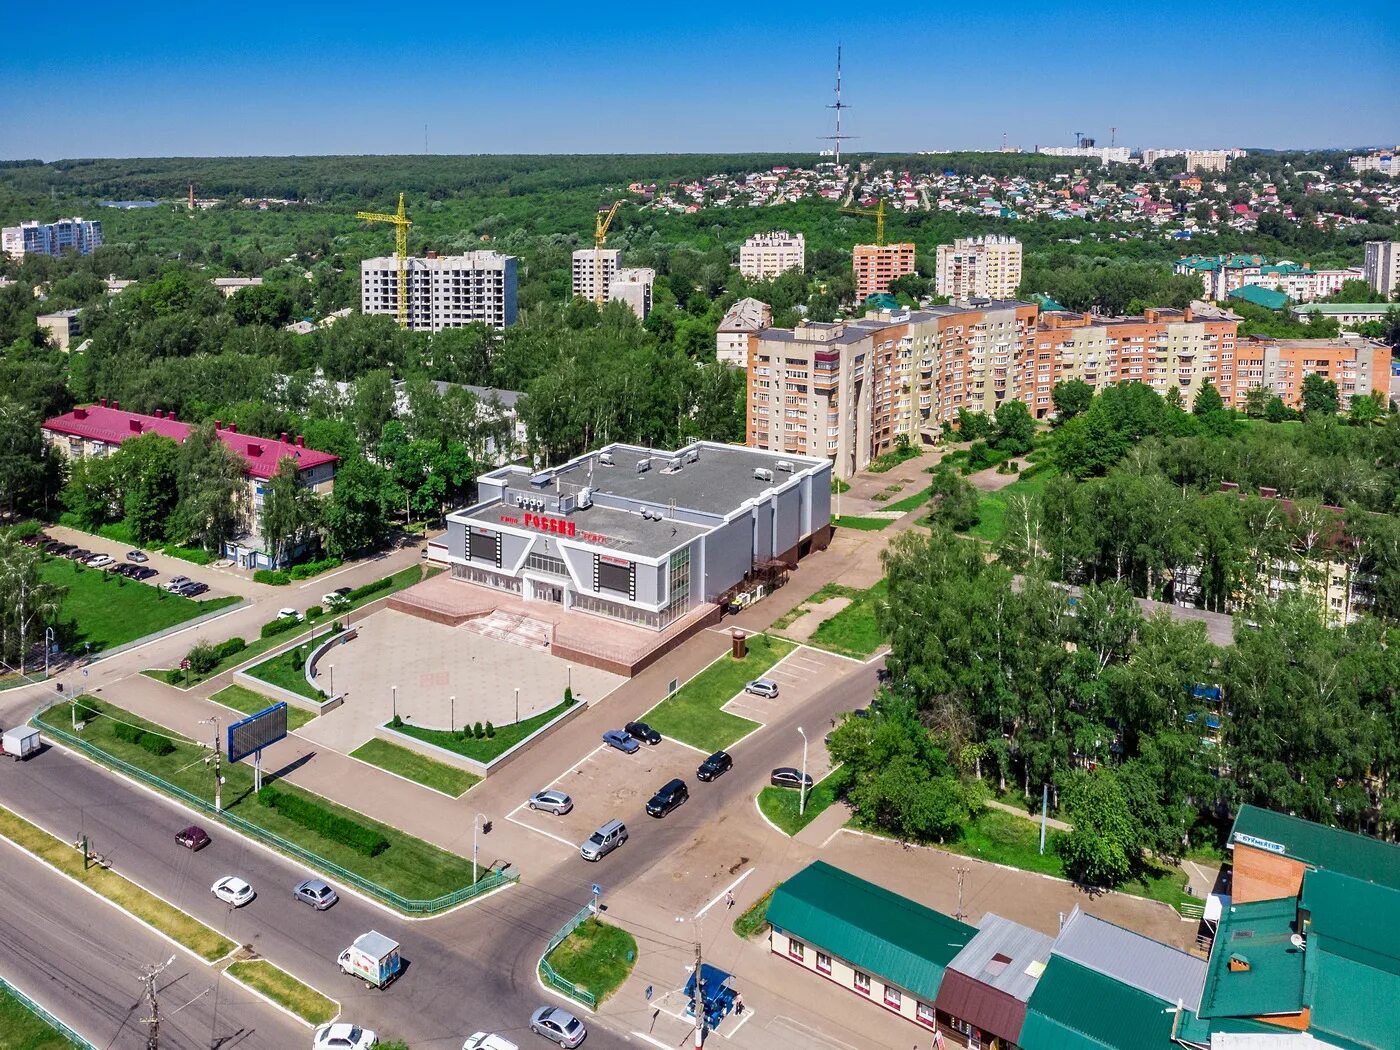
(802,785)
(451,714)
(331,677)
(517,703)
(477,821)
(394,698)
(48,645)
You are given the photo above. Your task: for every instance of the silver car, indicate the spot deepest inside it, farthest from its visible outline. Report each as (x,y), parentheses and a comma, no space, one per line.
(558,1026)
(762,687)
(316,893)
(555,802)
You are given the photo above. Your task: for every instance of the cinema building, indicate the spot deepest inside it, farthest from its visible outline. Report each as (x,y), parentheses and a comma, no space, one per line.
(640,536)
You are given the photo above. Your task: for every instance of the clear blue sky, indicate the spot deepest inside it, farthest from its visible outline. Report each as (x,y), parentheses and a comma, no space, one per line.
(85,79)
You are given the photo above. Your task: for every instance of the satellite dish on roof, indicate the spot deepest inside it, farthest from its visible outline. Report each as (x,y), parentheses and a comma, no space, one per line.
(1297,940)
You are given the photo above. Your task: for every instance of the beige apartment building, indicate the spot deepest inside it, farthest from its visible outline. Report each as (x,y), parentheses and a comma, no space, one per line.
(1382,266)
(594,270)
(876,265)
(983,267)
(765,255)
(444,291)
(742,320)
(633,286)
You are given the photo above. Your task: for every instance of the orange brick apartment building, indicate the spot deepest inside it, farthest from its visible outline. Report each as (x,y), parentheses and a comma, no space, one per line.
(876,265)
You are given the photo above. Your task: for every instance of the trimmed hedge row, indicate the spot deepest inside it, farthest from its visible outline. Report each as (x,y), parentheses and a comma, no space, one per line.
(381,584)
(156,745)
(283,623)
(308,569)
(273,577)
(323,822)
(192,554)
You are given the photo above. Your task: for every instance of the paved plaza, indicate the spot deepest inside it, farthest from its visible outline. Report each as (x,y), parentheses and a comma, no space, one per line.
(431,664)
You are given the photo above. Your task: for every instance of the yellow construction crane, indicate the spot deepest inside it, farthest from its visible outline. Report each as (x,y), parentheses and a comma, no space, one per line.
(878,212)
(601,222)
(401,225)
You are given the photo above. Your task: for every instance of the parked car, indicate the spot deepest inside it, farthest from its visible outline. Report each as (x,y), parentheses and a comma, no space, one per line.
(604,840)
(488,1041)
(316,893)
(787,777)
(81,554)
(555,802)
(233,891)
(191,589)
(136,556)
(558,1026)
(192,838)
(175,582)
(115,568)
(643,732)
(336,597)
(124,568)
(670,796)
(57,547)
(715,766)
(144,572)
(765,687)
(37,540)
(342,1036)
(99,560)
(621,739)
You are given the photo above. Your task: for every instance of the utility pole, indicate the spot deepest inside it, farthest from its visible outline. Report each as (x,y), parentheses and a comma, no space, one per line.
(152,1022)
(699,1000)
(218,764)
(962,872)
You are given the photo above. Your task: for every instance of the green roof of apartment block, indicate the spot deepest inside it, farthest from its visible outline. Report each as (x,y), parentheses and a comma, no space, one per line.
(1075,1008)
(1266,297)
(1352,979)
(1258,936)
(1333,849)
(879,932)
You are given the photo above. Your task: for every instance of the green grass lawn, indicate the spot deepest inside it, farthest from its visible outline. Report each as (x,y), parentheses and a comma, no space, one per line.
(1164,884)
(408,763)
(22,1030)
(851,521)
(285,990)
(103,610)
(780,805)
(853,631)
(410,867)
(492,747)
(991,522)
(286,670)
(249,702)
(914,502)
(692,714)
(174,676)
(1004,838)
(596,957)
(755,917)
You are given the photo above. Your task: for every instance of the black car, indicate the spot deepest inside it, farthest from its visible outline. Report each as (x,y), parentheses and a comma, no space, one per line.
(643,732)
(191,589)
(78,554)
(143,572)
(57,548)
(668,798)
(787,777)
(716,765)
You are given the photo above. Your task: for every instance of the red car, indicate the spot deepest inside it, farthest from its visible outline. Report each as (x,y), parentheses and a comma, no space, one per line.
(192,838)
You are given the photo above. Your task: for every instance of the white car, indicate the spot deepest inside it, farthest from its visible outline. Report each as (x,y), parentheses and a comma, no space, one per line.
(342,1036)
(339,596)
(99,560)
(233,891)
(488,1041)
(283,614)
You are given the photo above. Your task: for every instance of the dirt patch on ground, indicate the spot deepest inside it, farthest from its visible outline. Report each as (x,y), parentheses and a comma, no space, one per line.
(805,625)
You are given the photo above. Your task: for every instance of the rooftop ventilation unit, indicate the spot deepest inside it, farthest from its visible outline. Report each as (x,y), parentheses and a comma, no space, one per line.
(519,500)
(675,463)
(785,465)
(542,479)
(605,458)
(567,504)
(585,498)
(692,455)
(643,465)
(762,473)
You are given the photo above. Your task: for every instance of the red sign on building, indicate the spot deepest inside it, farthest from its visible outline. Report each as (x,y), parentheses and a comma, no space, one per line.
(545,523)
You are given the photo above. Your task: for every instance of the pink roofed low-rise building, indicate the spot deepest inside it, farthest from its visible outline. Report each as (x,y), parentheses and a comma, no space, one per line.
(100,429)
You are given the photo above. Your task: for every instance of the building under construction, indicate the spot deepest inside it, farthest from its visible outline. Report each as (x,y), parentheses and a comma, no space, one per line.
(447,291)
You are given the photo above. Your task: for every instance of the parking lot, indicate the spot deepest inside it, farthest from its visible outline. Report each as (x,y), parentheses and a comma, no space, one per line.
(800,675)
(217,581)
(610,785)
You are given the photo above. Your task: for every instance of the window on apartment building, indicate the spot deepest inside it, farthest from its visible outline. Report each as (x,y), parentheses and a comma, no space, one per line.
(796,948)
(823,962)
(893,997)
(862,982)
(925,1014)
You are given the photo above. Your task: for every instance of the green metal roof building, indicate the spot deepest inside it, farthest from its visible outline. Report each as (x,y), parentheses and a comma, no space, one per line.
(1317,845)
(1075,1008)
(1259,296)
(879,932)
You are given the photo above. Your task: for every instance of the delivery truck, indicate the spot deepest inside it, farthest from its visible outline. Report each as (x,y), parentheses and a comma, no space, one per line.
(20,742)
(373,958)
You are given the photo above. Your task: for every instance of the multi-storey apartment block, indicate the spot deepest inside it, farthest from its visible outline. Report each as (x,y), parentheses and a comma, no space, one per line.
(1384,161)
(1223,274)
(742,320)
(876,265)
(51,238)
(447,291)
(1382,266)
(632,286)
(984,267)
(593,272)
(766,255)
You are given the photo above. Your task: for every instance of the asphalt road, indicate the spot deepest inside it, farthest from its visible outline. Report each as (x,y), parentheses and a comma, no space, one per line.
(456,981)
(81,960)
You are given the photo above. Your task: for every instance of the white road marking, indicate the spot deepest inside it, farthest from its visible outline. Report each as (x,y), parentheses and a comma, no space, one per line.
(546,834)
(728,889)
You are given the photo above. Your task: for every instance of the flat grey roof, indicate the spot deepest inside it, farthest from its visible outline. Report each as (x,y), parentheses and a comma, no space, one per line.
(1023,946)
(623,531)
(1147,965)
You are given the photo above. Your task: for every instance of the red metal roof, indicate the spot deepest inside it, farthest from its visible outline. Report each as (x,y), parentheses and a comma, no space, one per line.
(113,425)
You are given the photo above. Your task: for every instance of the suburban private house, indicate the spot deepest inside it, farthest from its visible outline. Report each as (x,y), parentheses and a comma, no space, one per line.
(98,430)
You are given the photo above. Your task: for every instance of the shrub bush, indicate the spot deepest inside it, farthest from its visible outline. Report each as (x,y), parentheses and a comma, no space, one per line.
(283,623)
(382,584)
(490,731)
(322,821)
(156,745)
(396,722)
(199,557)
(127,733)
(84,713)
(231,647)
(308,569)
(478,731)
(202,657)
(313,611)
(274,577)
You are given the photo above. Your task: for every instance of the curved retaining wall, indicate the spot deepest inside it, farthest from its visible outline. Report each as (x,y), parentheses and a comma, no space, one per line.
(309,671)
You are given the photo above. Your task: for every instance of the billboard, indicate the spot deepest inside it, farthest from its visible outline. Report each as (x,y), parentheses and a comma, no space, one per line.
(256,732)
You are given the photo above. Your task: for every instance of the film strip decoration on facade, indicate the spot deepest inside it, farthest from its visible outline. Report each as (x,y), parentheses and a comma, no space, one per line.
(615,574)
(484,545)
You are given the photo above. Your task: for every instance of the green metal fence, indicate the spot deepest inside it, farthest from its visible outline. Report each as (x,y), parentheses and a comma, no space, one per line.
(551,976)
(487,883)
(43,1015)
